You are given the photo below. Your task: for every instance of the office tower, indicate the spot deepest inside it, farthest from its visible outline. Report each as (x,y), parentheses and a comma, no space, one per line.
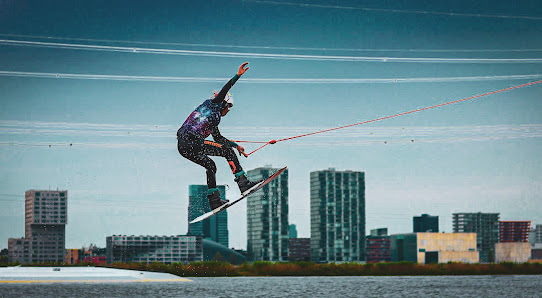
(425,223)
(214,228)
(378,246)
(45,225)
(514,231)
(293,231)
(486,227)
(267,218)
(148,249)
(337,201)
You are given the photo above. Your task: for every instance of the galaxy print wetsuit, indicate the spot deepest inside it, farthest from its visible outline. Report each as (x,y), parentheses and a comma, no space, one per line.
(201,123)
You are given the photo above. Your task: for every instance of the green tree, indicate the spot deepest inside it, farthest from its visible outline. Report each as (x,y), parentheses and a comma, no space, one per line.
(4,256)
(233,259)
(219,257)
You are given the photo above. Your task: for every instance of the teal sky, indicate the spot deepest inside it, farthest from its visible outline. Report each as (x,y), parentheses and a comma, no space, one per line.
(111,143)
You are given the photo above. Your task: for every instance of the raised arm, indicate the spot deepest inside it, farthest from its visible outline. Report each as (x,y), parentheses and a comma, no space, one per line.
(222,94)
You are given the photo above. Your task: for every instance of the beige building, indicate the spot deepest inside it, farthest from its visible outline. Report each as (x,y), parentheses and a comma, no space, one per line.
(517,252)
(426,248)
(450,247)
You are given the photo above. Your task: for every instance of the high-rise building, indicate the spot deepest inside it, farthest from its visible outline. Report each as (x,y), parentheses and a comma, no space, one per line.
(337,200)
(425,223)
(514,231)
(267,218)
(378,246)
(45,228)
(214,228)
(148,249)
(292,231)
(486,227)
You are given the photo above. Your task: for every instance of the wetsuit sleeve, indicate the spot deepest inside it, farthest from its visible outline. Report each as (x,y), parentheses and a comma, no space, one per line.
(221,139)
(222,94)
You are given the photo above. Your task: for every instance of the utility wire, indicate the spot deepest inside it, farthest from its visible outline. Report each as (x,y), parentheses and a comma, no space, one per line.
(404,11)
(264,80)
(90,47)
(270,47)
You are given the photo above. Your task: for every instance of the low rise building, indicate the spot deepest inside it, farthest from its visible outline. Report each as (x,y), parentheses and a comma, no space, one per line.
(148,249)
(213,251)
(378,246)
(73,256)
(536,254)
(516,252)
(91,254)
(426,248)
(299,249)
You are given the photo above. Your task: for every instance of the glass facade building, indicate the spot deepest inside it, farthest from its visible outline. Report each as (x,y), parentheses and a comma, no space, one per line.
(486,227)
(46,216)
(293,231)
(148,249)
(337,202)
(214,228)
(267,218)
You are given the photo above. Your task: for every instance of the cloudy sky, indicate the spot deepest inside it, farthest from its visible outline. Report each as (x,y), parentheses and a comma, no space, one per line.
(92,93)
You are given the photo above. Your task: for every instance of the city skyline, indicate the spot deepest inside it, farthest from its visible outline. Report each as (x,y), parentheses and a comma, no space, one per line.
(93,93)
(337,188)
(222,187)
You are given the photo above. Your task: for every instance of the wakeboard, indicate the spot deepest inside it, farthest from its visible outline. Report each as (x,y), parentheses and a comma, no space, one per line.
(252,190)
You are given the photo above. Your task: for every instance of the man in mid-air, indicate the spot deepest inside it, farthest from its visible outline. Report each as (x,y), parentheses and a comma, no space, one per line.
(201,123)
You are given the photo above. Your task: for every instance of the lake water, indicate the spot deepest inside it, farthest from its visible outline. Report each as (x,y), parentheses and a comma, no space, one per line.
(389,286)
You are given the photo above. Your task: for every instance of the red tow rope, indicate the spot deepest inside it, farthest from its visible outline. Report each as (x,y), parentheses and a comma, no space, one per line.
(388,117)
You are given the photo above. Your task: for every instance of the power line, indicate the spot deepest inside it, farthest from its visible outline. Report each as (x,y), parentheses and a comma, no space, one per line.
(403,11)
(90,47)
(270,47)
(264,80)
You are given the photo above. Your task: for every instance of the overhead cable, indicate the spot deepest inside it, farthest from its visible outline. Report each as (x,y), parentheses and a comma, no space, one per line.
(265,80)
(90,47)
(403,11)
(412,50)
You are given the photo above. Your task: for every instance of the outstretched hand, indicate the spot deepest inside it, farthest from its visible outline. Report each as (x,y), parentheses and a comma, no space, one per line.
(242,69)
(241,151)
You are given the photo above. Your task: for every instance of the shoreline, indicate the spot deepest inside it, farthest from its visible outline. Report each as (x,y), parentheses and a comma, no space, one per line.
(268,269)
